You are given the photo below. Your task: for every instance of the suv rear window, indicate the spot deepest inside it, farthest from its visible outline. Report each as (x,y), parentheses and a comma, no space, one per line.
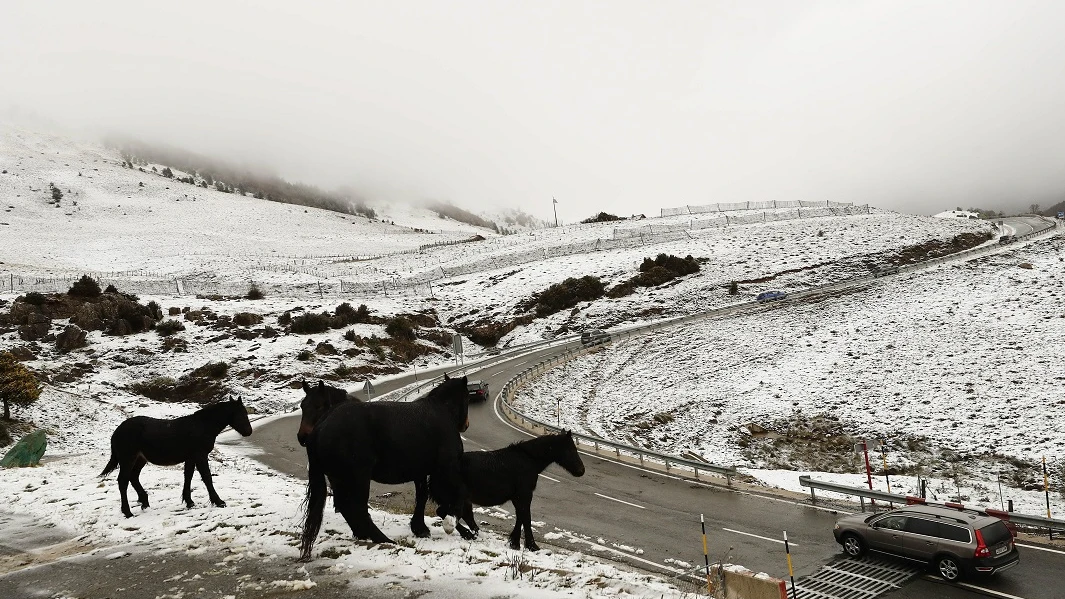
(953,533)
(995,533)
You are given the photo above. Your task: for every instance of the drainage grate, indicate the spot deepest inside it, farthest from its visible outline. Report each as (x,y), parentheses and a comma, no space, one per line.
(864,578)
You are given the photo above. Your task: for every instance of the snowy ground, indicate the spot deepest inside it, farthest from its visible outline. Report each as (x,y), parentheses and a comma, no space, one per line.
(912,345)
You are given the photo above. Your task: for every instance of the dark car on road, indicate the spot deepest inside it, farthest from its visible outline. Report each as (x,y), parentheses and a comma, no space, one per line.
(769,296)
(594,336)
(477,390)
(958,543)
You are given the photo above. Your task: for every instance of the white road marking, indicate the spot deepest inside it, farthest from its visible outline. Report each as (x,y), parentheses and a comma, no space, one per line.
(1058,551)
(549,478)
(620,501)
(573,539)
(497,374)
(987,590)
(740,532)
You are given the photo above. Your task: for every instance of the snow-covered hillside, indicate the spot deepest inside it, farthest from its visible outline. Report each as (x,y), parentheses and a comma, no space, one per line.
(960,358)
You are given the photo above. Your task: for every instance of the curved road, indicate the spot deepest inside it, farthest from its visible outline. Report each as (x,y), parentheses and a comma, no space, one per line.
(651,520)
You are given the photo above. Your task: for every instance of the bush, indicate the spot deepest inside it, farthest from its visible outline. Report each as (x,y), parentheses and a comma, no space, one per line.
(246,319)
(214,370)
(350,335)
(677,266)
(34,298)
(400,328)
(17,384)
(155,310)
(169,327)
(111,288)
(285,319)
(57,194)
(311,323)
(602,217)
(346,315)
(86,287)
(733,288)
(565,295)
(304,355)
(254,293)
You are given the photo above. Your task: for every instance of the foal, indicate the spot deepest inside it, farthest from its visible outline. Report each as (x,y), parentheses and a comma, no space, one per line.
(510,474)
(140,439)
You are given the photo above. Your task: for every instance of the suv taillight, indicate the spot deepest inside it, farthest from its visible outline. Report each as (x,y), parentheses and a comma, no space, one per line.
(981,547)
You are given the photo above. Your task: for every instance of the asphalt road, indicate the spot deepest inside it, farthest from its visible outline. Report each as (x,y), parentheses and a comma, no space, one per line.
(621,508)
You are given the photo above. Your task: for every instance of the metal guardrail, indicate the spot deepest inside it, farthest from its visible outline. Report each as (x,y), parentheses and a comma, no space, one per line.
(1022,519)
(670,463)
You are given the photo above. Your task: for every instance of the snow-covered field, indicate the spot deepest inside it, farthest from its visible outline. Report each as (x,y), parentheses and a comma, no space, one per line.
(962,356)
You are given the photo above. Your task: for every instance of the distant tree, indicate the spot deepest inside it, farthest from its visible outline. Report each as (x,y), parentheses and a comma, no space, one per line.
(17,384)
(1034,208)
(169,174)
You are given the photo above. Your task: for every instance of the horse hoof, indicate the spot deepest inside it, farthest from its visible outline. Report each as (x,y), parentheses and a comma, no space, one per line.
(532,547)
(422,534)
(128,514)
(220,503)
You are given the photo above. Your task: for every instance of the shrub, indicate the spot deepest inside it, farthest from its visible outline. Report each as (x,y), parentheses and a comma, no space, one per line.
(86,287)
(677,266)
(155,310)
(304,355)
(214,370)
(602,217)
(34,298)
(169,174)
(57,194)
(254,293)
(285,319)
(620,290)
(566,294)
(17,384)
(169,327)
(350,335)
(400,328)
(246,319)
(311,323)
(733,288)
(111,288)
(346,315)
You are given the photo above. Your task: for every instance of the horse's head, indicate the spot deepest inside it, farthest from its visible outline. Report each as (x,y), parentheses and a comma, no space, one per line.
(238,417)
(453,395)
(318,401)
(566,455)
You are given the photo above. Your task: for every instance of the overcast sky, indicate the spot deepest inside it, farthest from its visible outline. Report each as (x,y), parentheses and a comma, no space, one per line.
(626,107)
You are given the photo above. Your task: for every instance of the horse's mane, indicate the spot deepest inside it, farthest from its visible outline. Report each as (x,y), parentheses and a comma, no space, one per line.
(445,390)
(220,407)
(538,446)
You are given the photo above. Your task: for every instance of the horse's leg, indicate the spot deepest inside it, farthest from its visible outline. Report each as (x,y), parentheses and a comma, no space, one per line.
(124,470)
(186,493)
(351,493)
(135,480)
(523,509)
(417,520)
(467,515)
(205,475)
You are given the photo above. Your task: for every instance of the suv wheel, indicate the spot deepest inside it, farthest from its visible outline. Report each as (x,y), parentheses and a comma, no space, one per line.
(949,567)
(853,545)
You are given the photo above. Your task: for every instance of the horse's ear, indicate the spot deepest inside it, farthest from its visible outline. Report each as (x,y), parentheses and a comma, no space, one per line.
(446,377)
(306,387)
(321,384)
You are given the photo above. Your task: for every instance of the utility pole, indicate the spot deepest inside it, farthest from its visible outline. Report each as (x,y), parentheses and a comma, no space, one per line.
(554,203)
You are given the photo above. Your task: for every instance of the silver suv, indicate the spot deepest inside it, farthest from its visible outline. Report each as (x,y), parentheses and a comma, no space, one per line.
(957,542)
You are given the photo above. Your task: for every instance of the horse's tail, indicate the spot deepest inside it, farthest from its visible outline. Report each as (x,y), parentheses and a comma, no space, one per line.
(314,503)
(110,465)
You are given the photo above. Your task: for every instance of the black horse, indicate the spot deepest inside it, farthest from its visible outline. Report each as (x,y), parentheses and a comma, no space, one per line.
(140,439)
(510,474)
(389,442)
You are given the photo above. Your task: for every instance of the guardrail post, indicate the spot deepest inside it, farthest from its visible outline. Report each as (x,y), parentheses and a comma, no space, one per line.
(813,497)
